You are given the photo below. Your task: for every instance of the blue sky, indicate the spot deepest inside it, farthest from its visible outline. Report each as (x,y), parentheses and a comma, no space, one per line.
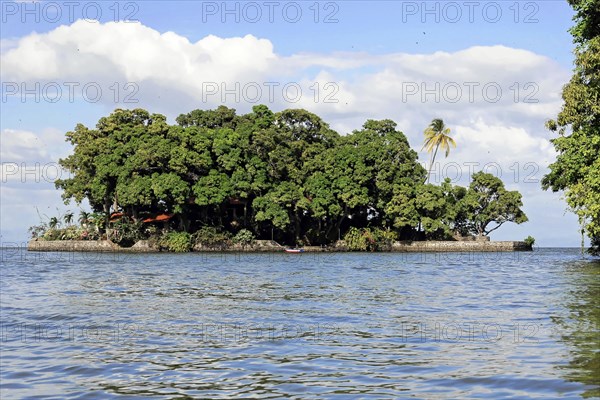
(408,61)
(370,26)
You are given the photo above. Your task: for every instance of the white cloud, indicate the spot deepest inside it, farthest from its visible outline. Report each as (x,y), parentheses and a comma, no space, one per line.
(170,66)
(20,146)
(133,52)
(480,141)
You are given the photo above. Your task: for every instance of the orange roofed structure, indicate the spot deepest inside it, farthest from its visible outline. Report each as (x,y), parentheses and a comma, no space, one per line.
(159,218)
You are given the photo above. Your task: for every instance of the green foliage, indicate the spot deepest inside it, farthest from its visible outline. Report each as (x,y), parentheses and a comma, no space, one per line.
(54,223)
(577,167)
(68,217)
(125,232)
(529,240)
(437,135)
(432,205)
(178,242)
(587,20)
(68,233)
(368,239)
(244,237)
(384,238)
(52,229)
(487,201)
(283,175)
(356,240)
(52,234)
(211,237)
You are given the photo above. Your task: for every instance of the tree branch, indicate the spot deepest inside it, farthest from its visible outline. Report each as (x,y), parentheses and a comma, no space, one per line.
(493,229)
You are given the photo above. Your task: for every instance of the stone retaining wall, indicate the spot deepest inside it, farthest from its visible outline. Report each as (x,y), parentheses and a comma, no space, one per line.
(144,246)
(258,246)
(71,245)
(462,246)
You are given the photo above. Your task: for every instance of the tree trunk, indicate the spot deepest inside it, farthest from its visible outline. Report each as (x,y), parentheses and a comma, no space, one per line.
(297,226)
(106,215)
(432,162)
(116,203)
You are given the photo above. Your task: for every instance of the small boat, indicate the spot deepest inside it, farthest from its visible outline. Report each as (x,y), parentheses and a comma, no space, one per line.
(294,250)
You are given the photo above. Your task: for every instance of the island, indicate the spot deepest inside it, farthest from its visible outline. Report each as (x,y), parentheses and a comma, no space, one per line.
(266,181)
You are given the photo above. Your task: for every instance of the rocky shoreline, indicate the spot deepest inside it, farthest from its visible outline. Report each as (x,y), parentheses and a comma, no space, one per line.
(261,246)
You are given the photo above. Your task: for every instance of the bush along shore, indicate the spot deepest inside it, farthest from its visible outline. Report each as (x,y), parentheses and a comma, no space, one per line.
(218,180)
(210,239)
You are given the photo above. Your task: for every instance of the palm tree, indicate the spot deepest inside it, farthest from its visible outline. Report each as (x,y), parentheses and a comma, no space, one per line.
(97,220)
(54,222)
(68,217)
(437,135)
(84,218)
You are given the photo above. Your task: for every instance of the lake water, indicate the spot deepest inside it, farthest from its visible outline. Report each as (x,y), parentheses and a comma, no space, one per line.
(340,325)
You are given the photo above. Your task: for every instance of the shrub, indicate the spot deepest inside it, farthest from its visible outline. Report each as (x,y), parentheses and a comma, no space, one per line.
(69,233)
(356,240)
(88,234)
(97,221)
(384,238)
(211,237)
(178,242)
(366,239)
(244,237)
(529,240)
(53,234)
(126,232)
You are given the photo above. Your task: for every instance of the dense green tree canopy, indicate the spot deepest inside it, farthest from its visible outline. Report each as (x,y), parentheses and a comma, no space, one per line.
(487,201)
(284,175)
(577,167)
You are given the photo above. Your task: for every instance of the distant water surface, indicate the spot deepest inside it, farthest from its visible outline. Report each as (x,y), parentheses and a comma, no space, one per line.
(340,325)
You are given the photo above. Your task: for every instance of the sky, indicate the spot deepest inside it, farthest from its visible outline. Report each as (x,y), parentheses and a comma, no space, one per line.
(492,70)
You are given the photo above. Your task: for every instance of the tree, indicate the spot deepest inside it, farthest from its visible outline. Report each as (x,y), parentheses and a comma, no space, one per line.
(456,215)
(285,175)
(68,217)
(577,167)
(54,223)
(437,135)
(101,157)
(84,218)
(487,201)
(431,205)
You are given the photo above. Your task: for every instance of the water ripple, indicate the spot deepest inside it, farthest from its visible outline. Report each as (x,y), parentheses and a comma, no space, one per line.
(345,326)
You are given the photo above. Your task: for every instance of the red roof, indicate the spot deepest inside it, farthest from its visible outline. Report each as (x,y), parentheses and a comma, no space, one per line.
(115,216)
(163,217)
(159,218)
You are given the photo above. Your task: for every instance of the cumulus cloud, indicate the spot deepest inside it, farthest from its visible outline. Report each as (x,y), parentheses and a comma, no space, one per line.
(134,53)
(520,155)
(479,79)
(24,146)
(20,146)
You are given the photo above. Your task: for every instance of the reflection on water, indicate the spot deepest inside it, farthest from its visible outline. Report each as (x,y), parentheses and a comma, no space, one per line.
(580,325)
(518,325)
